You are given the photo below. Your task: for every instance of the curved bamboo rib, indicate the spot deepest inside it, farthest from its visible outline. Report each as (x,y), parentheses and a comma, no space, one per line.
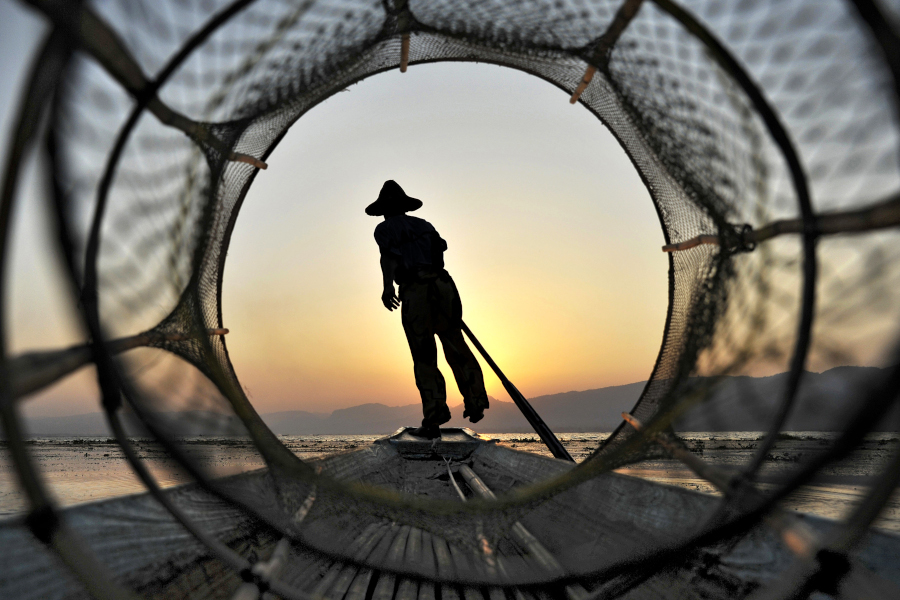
(98,39)
(32,371)
(878,216)
(796,535)
(726,60)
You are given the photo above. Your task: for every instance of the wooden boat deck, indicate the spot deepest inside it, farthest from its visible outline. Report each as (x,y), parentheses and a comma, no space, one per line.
(611,515)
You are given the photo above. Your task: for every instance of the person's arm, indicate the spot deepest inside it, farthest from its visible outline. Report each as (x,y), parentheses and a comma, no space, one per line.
(388,296)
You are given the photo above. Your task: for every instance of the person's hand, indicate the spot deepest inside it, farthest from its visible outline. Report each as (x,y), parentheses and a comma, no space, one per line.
(390,299)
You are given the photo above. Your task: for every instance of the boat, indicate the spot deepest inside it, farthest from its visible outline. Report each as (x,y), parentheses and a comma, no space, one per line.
(147,550)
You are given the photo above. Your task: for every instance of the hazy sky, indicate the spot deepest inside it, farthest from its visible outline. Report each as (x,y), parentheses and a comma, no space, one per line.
(553,242)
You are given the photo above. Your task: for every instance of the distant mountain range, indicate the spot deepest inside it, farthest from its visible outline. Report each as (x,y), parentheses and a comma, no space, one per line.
(740,404)
(591,410)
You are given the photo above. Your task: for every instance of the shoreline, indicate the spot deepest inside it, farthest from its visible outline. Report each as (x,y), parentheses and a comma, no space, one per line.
(87,469)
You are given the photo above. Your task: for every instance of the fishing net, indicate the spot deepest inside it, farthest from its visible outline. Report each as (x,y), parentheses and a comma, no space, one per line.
(163,112)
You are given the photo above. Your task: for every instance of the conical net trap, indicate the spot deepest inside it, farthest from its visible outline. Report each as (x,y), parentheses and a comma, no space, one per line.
(765,132)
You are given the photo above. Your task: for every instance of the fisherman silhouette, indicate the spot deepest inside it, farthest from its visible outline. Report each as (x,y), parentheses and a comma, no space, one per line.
(412,254)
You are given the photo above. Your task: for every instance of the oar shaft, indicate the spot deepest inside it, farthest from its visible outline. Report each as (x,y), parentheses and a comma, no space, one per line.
(546,435)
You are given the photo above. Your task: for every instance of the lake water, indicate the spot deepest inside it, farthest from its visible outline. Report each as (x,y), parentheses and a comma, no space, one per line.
(88,469)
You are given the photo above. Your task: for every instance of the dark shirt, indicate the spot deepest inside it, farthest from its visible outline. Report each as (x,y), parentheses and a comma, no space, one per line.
(413,242)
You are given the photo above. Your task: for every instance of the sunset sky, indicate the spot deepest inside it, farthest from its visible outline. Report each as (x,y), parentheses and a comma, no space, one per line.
(553,242)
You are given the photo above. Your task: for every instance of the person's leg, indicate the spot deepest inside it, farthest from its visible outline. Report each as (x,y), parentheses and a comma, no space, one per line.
(466,371)
(462,361)
(419,328)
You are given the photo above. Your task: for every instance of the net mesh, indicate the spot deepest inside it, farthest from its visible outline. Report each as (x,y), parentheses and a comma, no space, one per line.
(707,156)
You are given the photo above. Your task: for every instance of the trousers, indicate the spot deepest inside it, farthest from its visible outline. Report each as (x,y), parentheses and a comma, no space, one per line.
(430,305)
